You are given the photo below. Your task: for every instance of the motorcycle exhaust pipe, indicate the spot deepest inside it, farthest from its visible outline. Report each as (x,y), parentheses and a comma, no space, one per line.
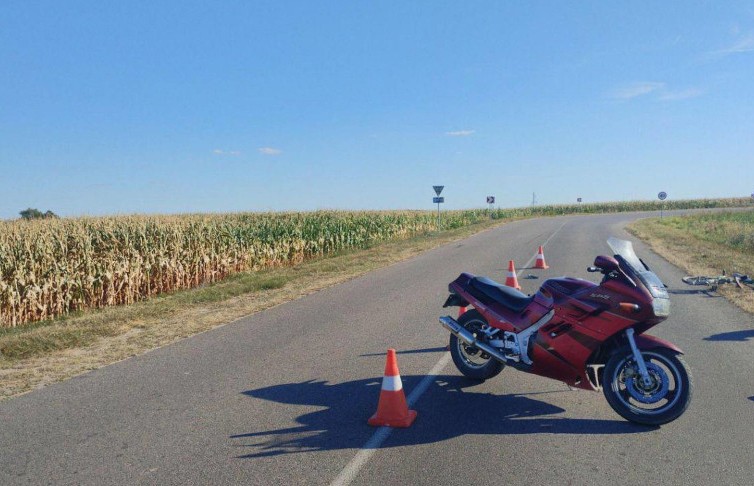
(461,333)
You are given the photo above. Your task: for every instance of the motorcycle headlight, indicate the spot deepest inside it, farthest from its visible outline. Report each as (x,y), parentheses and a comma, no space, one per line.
(661,307)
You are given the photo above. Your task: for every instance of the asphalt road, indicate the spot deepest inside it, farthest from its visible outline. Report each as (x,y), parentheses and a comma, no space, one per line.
(282,397)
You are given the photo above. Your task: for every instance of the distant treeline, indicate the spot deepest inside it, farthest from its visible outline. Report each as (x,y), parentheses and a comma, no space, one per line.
(618,207)
(32,213)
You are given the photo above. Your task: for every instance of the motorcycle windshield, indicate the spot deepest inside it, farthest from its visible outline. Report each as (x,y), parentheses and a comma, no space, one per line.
(626,250)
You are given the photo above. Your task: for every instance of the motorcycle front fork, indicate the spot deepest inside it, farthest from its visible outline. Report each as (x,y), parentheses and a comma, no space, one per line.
(638,358)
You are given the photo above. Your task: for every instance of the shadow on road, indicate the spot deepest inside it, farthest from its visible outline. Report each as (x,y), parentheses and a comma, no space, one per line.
(409,351)
(449,408)
(732,336)
(706,292)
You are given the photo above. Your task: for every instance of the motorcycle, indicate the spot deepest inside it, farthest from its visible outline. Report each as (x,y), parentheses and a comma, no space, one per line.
(590,336)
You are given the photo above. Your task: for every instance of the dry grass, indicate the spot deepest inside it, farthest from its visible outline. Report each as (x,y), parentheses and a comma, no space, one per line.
(697,250)
(40,354)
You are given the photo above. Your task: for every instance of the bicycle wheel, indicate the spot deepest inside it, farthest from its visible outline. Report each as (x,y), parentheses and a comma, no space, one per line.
(696,280)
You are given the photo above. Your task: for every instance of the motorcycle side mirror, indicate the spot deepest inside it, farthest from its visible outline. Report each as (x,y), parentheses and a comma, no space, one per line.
(606,264)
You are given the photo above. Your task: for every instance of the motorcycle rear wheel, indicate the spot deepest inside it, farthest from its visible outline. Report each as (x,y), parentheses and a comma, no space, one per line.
(663,401)
(470,360)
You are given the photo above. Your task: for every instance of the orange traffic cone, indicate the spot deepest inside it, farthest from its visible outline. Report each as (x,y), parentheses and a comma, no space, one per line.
(392,410)
(540,263)
(511,280)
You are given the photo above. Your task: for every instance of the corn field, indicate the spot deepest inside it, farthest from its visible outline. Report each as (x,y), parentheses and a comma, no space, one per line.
(51,267)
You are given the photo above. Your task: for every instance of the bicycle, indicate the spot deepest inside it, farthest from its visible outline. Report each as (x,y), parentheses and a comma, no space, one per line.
(713,282)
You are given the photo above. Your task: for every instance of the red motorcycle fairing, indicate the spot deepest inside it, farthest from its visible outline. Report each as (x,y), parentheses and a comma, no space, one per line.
(576,332)
(645,341)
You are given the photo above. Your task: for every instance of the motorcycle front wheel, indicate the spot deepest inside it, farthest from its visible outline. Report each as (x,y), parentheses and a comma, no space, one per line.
(470,360)
(662,400)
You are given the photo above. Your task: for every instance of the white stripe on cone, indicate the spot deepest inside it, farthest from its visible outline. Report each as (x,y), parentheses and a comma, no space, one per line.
(392,383)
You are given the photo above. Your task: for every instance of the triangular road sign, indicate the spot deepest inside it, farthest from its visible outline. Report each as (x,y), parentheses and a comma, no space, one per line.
(438,189)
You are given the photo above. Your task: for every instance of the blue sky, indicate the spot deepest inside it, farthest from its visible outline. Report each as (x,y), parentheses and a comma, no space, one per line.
(165,107)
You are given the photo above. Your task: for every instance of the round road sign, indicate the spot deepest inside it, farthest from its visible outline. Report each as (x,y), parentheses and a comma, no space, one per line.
(662,195)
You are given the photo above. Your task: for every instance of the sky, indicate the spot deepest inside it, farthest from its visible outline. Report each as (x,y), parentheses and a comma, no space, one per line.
(219,106)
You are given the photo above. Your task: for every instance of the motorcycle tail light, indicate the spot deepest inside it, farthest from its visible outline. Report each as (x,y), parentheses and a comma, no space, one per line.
(628,307)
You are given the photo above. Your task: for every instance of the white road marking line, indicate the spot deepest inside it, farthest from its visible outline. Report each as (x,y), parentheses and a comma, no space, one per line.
(349,472)
(531,260)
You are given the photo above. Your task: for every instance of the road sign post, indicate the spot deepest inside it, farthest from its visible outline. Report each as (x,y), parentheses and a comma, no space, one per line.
(438,200)
(490,201)
(662,195)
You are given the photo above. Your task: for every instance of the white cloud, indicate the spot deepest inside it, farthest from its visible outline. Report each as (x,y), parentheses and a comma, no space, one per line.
(226,152)
(635,90)
(657,90)
(683,94)
(743,44)
(270,151)
(460,133)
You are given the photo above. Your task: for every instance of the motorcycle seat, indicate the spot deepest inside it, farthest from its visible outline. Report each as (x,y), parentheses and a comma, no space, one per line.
(509,297)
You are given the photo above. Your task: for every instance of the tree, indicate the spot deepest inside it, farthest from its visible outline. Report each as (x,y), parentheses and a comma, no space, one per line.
(33,213)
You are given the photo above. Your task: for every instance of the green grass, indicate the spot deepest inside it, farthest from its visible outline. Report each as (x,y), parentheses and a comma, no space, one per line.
(82,328)
(706,244)
(732,229)
(234,286)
